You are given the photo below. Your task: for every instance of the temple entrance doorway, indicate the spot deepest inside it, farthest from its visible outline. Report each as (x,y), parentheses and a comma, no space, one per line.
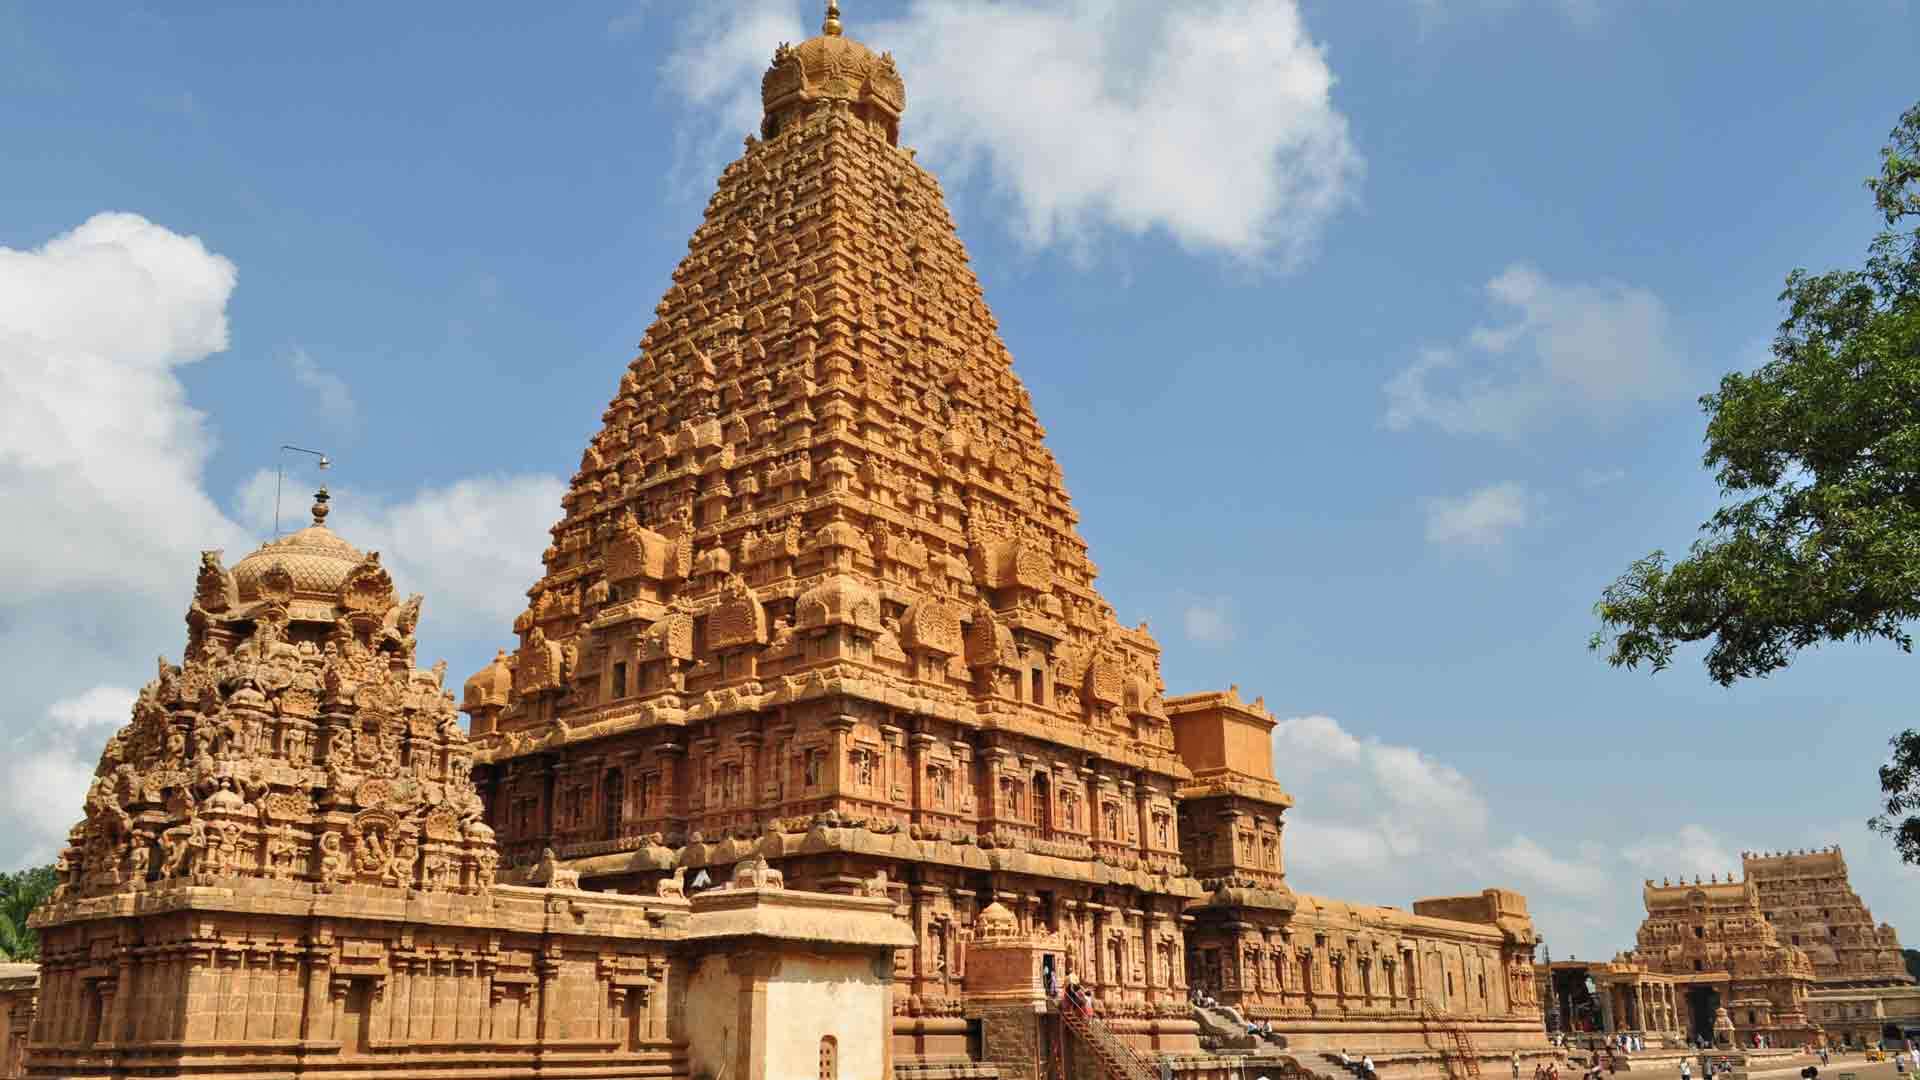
(1702,1003)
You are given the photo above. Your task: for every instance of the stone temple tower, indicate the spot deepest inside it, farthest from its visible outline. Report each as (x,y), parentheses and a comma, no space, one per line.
(817,590)
(817,595)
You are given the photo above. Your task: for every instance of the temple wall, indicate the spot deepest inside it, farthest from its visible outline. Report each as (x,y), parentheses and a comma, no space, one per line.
(236,980)
(1332,974)
(829,996)
(18,983)
(711,1010)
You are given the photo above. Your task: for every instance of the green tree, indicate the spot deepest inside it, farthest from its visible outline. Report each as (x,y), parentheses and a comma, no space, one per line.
(1817,455)
(20,893)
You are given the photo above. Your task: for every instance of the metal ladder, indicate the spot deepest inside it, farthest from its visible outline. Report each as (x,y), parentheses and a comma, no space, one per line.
(1461,1059)
(1119,1060)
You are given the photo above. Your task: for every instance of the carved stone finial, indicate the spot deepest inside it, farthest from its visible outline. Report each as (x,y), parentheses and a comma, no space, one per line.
(832,26)
(320,506)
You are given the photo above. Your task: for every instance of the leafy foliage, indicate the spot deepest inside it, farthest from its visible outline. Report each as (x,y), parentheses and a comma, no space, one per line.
(20,893)
(1817,455)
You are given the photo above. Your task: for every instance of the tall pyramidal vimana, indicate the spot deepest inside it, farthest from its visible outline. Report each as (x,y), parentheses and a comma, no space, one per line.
(817,594)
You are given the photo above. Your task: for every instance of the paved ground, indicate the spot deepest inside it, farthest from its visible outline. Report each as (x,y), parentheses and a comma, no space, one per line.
(1849,1063)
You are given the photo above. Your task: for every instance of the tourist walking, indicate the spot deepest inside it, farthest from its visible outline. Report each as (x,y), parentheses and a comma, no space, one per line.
(1516,1065)
(1686,1069)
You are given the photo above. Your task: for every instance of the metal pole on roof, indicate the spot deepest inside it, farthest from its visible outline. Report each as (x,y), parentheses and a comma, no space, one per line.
(279,477)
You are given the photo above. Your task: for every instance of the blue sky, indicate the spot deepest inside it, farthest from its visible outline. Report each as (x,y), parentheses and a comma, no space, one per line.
(1368,337)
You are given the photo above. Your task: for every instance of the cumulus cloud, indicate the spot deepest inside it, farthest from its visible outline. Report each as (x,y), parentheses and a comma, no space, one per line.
(1529,861)
(1692,850)
(1212,122)
(1366,804)
(1483,517)
(102,461)
(471,546)
(51,765)
(332,399)
(1383,822)
(1564,348)
(1207,622)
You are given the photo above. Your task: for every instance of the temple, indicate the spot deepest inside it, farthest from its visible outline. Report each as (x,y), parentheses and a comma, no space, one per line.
(1785,955)
(815,736)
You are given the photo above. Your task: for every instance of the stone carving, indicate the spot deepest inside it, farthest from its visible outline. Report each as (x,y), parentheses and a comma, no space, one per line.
(754,873)
(552,875)
(673,885)
(301,644)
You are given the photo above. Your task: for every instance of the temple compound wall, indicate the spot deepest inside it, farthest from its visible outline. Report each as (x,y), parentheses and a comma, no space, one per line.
(1327,971)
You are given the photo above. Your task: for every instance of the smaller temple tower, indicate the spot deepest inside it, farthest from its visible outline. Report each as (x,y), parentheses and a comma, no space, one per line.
(1725,955)
(1809,901)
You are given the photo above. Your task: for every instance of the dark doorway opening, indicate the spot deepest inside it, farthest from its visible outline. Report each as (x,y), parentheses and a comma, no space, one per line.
(1578,1007)
(1702,1003)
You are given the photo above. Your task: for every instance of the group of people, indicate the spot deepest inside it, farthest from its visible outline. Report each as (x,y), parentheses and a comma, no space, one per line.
(1346,1060)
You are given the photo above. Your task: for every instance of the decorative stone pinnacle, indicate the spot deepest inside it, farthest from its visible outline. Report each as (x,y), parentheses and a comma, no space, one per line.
(832,26)
(320,506)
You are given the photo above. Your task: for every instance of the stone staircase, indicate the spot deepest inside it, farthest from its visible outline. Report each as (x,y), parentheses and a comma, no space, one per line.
(1118,1061)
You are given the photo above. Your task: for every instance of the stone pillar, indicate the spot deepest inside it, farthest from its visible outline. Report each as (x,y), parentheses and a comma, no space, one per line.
(894,787)
(919,797)
(752,969)
(750,743)
(672,757)
(840,729)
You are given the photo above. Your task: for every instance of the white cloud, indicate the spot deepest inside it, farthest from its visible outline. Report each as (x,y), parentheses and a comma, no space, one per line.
(1380,822)
(1566,347)
(1212,121)
(1207,622)
(1693,850)
(332,398)
(1532,863)
(1482,517)
(1595,478)
(52,763)
(471,547)
(1368,806)
(101,472)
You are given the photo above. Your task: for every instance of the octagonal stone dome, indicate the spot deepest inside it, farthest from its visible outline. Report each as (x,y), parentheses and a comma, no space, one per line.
(832,68)
(317,560)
